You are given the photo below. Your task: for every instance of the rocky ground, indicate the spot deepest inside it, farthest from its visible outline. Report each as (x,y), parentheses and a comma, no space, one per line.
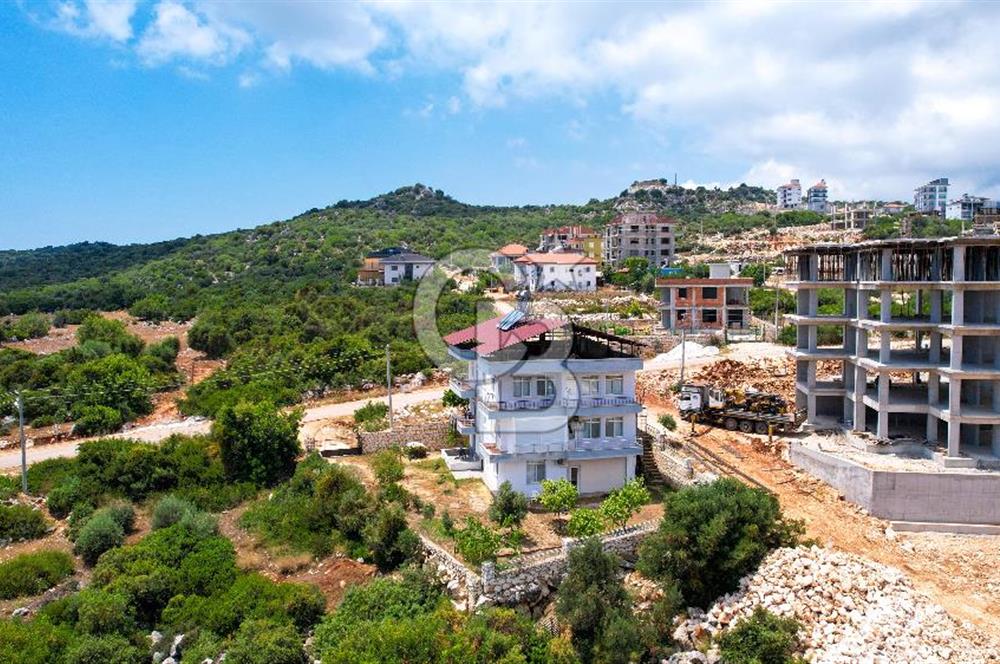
(851,610)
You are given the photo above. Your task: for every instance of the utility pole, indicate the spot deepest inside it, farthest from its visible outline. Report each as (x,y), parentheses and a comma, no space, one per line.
(24,445)
(388,382)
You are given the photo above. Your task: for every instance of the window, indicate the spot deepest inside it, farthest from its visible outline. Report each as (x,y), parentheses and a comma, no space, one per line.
(709,316)
(393,267)
(522,386)
(613,427)
(591,427)
(682,293)
(709,292)
(552,269)
(536,472)
(682,314)
(544,387)
(590,385)
(615,385)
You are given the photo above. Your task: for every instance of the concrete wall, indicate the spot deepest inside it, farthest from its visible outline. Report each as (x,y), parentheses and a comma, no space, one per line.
(950,497)
(603,475)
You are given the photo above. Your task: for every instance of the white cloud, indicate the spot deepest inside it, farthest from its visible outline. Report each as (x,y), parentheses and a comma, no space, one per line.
(454,105)
(178,32)
(98,19)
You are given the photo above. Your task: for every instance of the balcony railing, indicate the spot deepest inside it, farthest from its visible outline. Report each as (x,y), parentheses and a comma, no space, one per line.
(599,401)
(521,446)
(538,403)
(461,386)
(543,403)
(465,424)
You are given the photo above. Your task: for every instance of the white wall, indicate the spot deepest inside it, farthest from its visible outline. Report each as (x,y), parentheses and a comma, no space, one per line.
(556,276)
(397,270)
(604,475)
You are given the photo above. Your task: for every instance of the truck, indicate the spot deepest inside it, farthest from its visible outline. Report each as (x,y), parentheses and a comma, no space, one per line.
(750,411)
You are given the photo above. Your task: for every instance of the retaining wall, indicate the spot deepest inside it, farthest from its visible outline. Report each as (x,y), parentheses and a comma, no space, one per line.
(946,497)
(432,434)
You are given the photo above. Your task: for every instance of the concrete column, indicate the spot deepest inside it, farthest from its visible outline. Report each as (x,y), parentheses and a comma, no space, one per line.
(936,296)
(811,374)
(932,428)
(885,308)
(955,397)
(887,265)
(813,301)
(859,394)
(954,429)
(812,337)
(934,389)
(956,351)
(996,426)
(996,440)
(885,350)
(883,406)
(958,307)
(958,263)
(935,347)
(811,407)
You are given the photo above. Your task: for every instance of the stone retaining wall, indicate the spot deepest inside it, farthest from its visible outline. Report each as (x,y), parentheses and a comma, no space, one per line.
(671,463)
(434,435)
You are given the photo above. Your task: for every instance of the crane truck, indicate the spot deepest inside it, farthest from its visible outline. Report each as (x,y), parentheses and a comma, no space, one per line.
(749,411)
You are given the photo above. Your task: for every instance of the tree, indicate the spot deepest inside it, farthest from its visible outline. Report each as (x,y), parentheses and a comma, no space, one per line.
(116,381)
(622,503)
(711,536)
(112,332)
(451,400)
(389,539)
(477,542)
(258,443)
(759,272)
(509,507)
(763,638)
(592,597)
(585,522)
(154,308)
(387,466)
(558,495)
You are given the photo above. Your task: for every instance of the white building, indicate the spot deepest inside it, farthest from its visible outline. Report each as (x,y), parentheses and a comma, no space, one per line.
(405,266)
(790,196)
(932,198)
(548,400)
(816,198)
(967,207)
(503,258)
(556,271)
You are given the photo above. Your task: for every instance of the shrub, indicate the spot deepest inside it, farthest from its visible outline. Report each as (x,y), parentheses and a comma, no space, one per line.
(585,522)
(170,510)
(509,507)
(558,495)
(447,523)
(33,573)
(373,411)
(64,497)
(711,536)
(788,335)
(667,421)
(100,533)
(258,442)
(451,400)
(621,504)
(104,650)
(389,539)
(96,420)
(477,543)
(387,466)
(21,522)
(266,642)
(78,517)
(32,642)
(102,612)
(9,487)
(415,451)
(121,512)
(763,638)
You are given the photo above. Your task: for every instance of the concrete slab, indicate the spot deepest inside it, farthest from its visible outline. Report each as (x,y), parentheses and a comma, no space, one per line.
(953,528)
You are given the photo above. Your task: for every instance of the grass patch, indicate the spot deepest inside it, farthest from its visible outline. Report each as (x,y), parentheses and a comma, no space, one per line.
(33,573)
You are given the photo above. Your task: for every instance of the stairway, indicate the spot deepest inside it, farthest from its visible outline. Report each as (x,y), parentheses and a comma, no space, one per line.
(650,472)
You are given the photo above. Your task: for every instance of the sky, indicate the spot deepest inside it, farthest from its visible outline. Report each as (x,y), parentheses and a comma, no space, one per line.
(135,121)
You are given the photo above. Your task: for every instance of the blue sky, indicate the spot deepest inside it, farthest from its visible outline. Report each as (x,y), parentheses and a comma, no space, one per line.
(137,121)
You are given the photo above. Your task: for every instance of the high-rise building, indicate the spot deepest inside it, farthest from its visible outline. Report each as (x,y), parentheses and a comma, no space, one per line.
(816,198)
(932,198)
(790,196)
(642,235)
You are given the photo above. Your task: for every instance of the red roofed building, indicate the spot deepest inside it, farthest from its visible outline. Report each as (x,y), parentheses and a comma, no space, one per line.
(503,258)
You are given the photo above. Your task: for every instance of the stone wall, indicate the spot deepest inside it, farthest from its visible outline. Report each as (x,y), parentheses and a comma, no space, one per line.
(434,435)
(463,584)
(671,462)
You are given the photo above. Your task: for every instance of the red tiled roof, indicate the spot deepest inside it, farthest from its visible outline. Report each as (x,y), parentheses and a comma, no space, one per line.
(491,338)
(512,249)
(557,258)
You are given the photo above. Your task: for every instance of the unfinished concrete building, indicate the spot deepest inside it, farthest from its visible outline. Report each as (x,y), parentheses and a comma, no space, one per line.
(901,338)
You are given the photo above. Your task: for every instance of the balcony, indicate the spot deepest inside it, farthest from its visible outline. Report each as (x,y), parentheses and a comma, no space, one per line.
(465,425)
(462,387)
(517,404)
(600,401)
(508,445)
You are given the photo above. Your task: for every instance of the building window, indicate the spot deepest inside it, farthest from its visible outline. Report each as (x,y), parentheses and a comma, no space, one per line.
(590,385)
(709,292)
(613,427)
(536,472)
(591,427)
(682,314)
(709,316)
(522,386)
(616,385)
(544,387)
(682,293)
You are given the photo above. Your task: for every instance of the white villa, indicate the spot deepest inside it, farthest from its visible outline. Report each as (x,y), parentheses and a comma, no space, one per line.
(549,399)
(556,271)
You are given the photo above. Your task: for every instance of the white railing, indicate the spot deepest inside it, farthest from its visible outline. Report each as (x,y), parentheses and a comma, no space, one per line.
(507,445)
(460,385)
(599,401)
(529,403)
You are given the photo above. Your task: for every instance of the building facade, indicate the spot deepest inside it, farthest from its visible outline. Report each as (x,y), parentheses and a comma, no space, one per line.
(967,207)
(639,235)
(548,400)
(927,309)
(716,303)
(850,217)
(405,266)
(816,198)
(556,271)
(789,196)
(932,198)
(584,239)
(503,258)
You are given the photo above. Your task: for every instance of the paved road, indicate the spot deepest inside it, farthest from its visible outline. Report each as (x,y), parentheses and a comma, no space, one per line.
(154,433)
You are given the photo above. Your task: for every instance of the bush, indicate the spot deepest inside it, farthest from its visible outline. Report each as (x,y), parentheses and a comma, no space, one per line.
(763,638)
(451,400)
(96,420)
(9,487)
(711,536)
(667,421)
(101,612)
(104,650)
(170,510)
(477,543)
(373,411)
(258,443)
(64,497)
(389,539)
(558,495)
(100,533)
(509,507)
(387,466)
(266,642)
(585,522)
(121,512)
(33,573)
(621,504)
(20,522)
(788,335)
(412,452)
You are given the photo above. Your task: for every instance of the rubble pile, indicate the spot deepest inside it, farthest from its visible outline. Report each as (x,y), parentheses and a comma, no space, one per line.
(777,377)
(851,610)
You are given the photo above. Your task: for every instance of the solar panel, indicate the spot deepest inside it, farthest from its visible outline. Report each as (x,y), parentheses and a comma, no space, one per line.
(510,320)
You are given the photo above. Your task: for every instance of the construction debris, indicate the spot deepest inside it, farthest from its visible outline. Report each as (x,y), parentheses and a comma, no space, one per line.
(776,377)
(851,610)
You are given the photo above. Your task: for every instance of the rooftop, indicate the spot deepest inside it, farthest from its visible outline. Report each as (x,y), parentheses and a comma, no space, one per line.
(512,250)
(541,338)
(407,257)
(556,258)
(903,242)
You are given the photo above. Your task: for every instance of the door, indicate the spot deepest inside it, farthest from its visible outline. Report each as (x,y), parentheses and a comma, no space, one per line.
(574,476)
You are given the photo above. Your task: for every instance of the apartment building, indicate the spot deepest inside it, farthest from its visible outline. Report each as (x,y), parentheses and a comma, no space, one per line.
(712,304)
(851,216)
(556,271)
(789,196)
(503,258)
(967,207)
(549,399)
(392,266)
(639,235)
(816,198)
(932,198)
(914,347)
(584,239)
